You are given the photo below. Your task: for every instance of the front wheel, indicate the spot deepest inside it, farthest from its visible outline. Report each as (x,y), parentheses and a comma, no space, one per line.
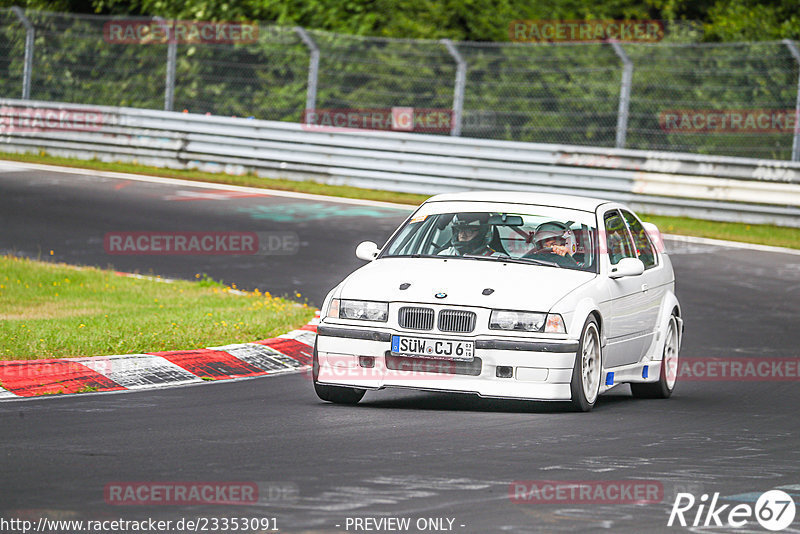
(334,394)
(585,384)
(669,368)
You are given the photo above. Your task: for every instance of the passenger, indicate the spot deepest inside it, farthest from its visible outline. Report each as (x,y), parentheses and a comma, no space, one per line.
(554,241)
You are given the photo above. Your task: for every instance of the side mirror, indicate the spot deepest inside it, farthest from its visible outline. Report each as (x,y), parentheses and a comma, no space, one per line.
(368,251)
(627,267)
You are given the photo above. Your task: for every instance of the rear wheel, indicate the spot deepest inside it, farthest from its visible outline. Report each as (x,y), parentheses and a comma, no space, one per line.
(669,368)
(335,394)
(585,384)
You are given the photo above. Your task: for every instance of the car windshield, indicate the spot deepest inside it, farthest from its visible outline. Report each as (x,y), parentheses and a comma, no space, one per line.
(538,235)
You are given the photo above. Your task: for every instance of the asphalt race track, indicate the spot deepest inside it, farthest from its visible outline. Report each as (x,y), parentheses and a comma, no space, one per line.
(398,454)
(71,214)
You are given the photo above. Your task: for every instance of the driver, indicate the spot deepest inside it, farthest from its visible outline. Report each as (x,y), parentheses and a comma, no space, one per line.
(471,235)
(557,240)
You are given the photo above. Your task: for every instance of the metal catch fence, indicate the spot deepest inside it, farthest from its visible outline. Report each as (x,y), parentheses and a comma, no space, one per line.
(616,95)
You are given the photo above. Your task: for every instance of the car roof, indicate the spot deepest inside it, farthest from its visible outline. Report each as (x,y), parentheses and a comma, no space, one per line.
(523,197)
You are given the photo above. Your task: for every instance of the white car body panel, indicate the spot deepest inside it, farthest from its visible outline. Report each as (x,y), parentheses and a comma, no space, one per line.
(381,281)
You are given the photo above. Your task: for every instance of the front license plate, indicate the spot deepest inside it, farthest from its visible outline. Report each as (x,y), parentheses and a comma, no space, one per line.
(448,349)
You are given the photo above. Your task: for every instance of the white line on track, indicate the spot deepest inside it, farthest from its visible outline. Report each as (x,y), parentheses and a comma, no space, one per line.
(205,185)
(729,244)
(10,166)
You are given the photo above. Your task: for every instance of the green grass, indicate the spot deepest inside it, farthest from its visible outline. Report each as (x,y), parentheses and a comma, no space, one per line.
(762,234)
(756,233)
(52,310)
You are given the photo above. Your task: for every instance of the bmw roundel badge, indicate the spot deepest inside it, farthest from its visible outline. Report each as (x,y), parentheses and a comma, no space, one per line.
(440,295)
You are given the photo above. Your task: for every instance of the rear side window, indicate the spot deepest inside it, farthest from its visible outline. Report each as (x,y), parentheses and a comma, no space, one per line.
(643,245)
(617,238)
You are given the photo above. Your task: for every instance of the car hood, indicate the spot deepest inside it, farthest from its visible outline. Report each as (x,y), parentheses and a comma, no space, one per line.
(516,286)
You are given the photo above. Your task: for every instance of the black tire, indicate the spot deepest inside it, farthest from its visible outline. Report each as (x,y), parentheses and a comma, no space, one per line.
(334,394)
(582,386)
(669,368)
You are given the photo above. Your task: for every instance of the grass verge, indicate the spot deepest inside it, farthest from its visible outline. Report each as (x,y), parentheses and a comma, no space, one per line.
(52,310)
(762,234)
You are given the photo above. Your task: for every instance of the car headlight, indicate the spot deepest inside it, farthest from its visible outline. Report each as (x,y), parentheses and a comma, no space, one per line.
(364,310)
(526,321)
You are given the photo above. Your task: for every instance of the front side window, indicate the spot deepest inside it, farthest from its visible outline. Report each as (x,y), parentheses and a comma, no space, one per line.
(536,235)
(618,240)
(643,246)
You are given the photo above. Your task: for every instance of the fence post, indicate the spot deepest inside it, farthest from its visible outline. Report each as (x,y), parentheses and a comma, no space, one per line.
(172,57)
(458,90)
(624,94)
(796,139)
(28,68)
(313,70)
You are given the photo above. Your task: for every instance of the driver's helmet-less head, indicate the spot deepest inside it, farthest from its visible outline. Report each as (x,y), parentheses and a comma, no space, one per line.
(557,233)
(471,232)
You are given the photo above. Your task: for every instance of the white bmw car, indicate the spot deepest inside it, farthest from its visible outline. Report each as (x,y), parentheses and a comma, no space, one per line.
(507,295)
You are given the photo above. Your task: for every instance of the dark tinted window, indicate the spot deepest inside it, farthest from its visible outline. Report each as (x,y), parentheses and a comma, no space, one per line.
(643,246)
(617,238)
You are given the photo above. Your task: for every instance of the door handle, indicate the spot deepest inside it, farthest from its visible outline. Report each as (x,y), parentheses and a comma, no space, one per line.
(645,287)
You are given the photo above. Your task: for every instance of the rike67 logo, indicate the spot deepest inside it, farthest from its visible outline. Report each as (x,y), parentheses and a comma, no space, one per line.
(774,510)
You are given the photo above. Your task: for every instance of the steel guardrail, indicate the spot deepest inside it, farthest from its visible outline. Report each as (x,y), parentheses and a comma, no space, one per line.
(709,187)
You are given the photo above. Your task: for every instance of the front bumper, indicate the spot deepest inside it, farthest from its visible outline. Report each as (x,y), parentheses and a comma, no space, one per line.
(361,357)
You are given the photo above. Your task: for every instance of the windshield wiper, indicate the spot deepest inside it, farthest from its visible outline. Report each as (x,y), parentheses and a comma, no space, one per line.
(509,259)
(538,262)
(476,257)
